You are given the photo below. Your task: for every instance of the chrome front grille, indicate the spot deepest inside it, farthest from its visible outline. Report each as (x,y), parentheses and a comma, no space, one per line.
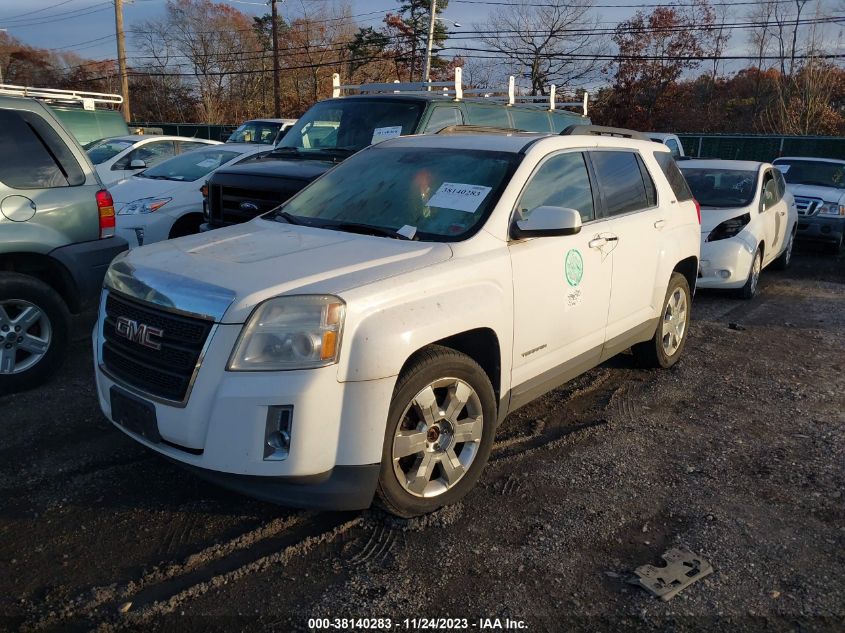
(807,206)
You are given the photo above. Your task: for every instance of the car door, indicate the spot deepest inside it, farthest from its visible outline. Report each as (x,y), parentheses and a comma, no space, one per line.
(634,225)
(772,210)
(561,284)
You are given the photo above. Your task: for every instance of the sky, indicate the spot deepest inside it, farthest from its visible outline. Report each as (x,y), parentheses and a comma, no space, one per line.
(87,26)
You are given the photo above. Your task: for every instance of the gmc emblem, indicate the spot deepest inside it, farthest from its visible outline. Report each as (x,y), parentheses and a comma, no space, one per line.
(140,333)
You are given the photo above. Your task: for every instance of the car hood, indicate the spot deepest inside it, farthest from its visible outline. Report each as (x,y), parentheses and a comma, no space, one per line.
(303,169)
(135,188)
(711,217)
(225,273)
(828,194)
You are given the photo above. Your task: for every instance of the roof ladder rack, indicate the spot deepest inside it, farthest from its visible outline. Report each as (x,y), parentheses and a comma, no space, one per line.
(88,99)
(456,90)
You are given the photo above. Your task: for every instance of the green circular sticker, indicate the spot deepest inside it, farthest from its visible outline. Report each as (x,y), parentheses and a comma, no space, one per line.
(574,267)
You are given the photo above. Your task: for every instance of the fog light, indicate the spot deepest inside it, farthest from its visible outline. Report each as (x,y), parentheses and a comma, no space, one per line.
(277,432)
(724,274)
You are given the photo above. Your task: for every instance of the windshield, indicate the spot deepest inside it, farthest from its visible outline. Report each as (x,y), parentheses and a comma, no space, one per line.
(721,188)
(813,172)
(351,124)
(192,165)
(262,132)
(101,151)
(433,194)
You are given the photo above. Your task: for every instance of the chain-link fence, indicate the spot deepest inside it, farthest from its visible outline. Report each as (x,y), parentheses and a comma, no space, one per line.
(761,147)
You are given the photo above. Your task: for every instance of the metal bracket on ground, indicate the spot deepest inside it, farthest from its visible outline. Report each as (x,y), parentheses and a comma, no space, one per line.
(682,568)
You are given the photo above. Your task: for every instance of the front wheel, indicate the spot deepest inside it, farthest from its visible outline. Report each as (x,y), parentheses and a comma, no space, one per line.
(785,258)
(749,290)
(440,430)
(664,349)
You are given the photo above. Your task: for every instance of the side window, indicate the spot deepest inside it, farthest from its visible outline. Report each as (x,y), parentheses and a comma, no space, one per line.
(672,144)
(674,176)
(187,146)
(770,191)
(41,159)
(151,153)
(444,117)
(620,181)
(562,181)
(535,120)
(650,189)
(781,182)
(483,114)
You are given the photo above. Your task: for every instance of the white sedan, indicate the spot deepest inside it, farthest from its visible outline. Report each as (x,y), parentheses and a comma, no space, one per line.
(165,201)
(748,221)
(121,156)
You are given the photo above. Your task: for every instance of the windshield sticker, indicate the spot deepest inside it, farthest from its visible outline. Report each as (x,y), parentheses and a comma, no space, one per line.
(574,267)
(458,196)
(383,133)
(208,162)
(408,231)
(783,168)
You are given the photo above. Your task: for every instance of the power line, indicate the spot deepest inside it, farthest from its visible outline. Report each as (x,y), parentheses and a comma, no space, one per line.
(104,6)
(52,6)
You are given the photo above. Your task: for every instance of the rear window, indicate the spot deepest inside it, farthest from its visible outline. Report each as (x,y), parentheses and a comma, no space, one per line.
(674,176)
(494,116)
(35,157)
(621,182)
(91,125)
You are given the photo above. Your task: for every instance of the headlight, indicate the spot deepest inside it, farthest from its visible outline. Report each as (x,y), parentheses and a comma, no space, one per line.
(729,228)
(144,205)
(295,332)
(831,208)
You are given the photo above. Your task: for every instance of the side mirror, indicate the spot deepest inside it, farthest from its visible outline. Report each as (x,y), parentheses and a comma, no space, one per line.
(547,221)
(137,164)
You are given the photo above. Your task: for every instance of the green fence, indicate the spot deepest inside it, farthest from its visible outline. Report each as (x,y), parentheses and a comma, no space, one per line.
(194,130)
(761,147)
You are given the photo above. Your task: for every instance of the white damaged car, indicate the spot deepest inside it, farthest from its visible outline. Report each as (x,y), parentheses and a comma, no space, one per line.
(748,221)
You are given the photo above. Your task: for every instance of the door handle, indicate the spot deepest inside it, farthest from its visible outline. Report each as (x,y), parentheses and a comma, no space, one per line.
(659,224)
(597,242)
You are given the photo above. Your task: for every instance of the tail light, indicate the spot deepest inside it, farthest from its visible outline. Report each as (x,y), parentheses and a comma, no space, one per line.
(105,205)
(697,210)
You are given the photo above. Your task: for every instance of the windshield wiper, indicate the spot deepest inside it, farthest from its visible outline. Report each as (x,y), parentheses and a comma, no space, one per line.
(287,217)
(367,229)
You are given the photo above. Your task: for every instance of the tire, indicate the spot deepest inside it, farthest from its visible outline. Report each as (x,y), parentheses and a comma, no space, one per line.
(785,258)
(30,355)
(749,290)
(428,443)
(664,349)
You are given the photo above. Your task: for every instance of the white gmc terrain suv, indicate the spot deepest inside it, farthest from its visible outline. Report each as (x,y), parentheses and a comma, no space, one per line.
(367,337)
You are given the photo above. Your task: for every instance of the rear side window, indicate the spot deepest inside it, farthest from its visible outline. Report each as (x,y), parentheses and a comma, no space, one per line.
(35,155)
(674,176)
(530,120)
(495,116)
(621,182)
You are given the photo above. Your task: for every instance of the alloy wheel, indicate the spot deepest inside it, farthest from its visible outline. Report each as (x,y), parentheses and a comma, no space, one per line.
(674,321)
(25,335)
(438,437)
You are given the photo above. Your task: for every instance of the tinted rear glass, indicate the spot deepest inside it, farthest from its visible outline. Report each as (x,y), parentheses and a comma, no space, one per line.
(620,181)
(674,176)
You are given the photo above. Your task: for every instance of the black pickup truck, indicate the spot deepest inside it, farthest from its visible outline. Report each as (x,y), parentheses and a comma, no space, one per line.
(334,129)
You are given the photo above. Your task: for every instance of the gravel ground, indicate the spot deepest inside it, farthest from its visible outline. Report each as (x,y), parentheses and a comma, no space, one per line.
(738,454)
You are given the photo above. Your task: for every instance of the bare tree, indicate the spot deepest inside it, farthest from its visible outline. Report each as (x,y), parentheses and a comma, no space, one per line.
(548,43)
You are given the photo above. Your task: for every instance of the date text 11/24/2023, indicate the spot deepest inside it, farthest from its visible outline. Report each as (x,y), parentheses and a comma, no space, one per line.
(417,624)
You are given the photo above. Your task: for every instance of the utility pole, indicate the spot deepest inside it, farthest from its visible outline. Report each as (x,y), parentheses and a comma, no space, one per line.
(432,18)
(277,98)
(121,58)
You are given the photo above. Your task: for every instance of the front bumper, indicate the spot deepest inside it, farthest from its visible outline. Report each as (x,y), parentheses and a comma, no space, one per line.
(816,227)
(726,263)
(219,432)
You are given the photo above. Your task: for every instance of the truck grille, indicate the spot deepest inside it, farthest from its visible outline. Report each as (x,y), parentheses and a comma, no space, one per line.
(226,203)
(166,372)
(807,206)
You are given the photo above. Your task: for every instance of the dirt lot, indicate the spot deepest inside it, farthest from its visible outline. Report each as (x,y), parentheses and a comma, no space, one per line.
(738,453)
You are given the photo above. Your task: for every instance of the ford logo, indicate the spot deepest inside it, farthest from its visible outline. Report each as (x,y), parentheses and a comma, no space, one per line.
(246,205)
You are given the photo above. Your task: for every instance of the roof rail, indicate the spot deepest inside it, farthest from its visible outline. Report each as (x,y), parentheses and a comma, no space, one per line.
(88,99)
(456,90)
(602,130)
(478,129)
